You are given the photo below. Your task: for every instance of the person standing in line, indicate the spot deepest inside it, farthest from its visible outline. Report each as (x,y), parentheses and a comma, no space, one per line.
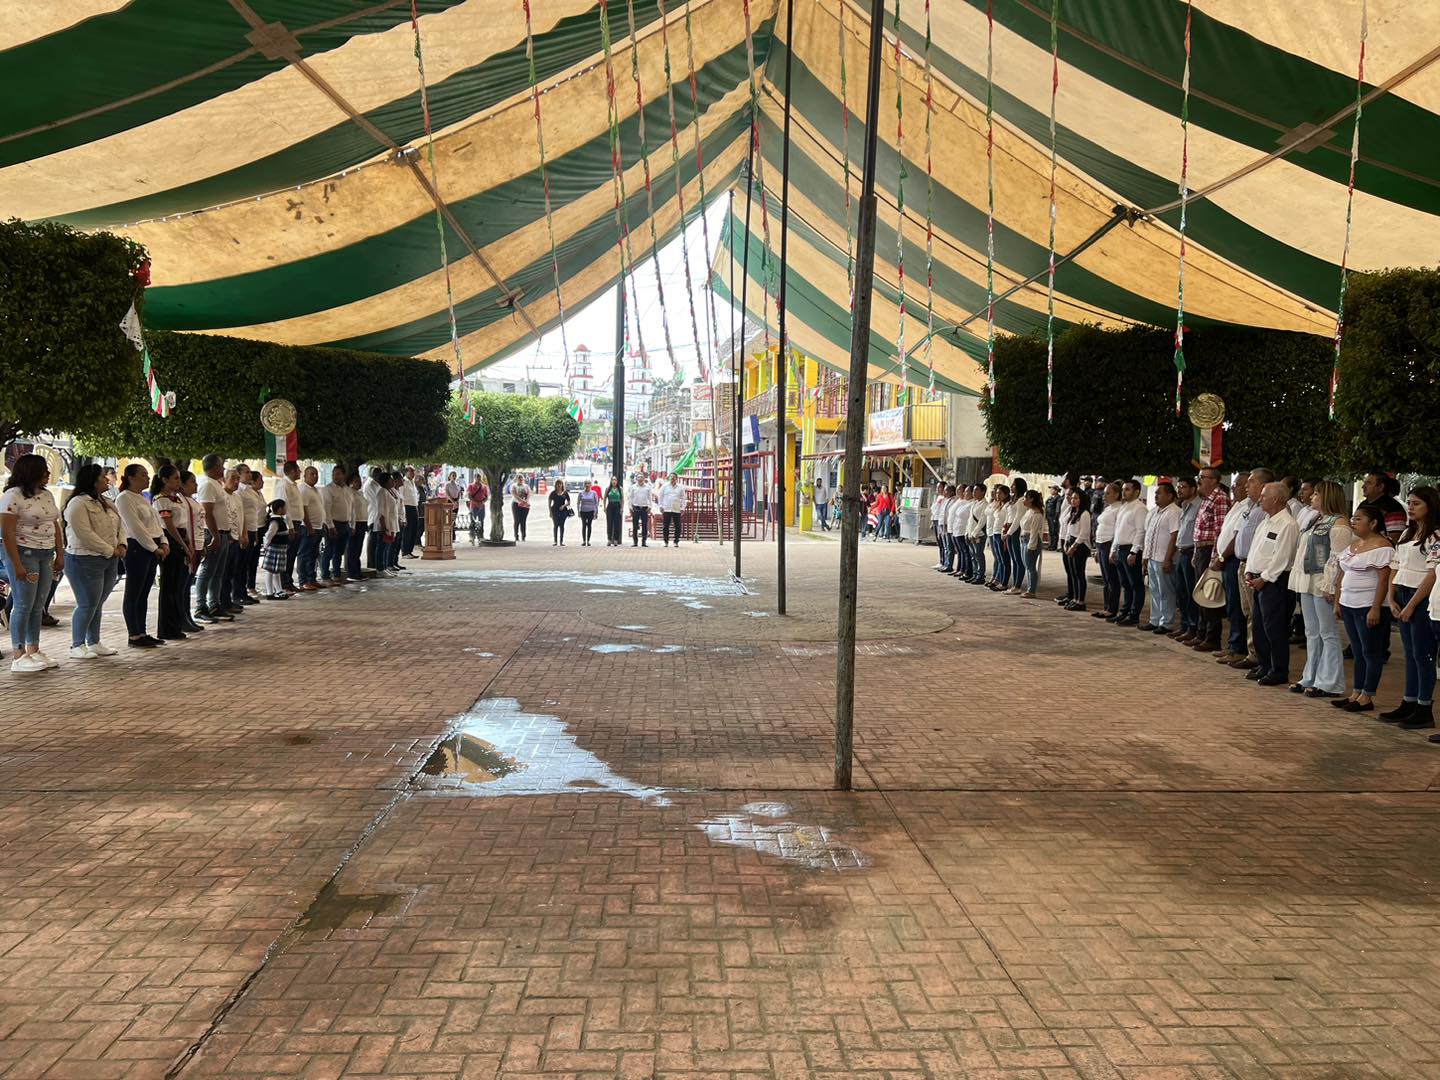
(476,495)
(943,560)
(1244,541)
(820,494)
(520,506)
(672,507)
(1210,519)
(1411,583)
(1267,576)
(215,542)
(254,512)
(1126,552)
(639,512)
(410,501)
(395,523)
(1380,490)
(422,486)
(375,515)
(287,490)
(232,579)
(1162,529)
(359,525)
(1228,563)
(170,507)
(145,549)
(196,515)
(1312,577)
(959,516)
(614,513)
(276,551)
(587,505)
(1057,504)
(884,509)
(1104,554)
(1185,577)
(336,498)
(975,534)
(995,517)
(1075,547)
(1017,548)
(34,551)
(94,545)
(1030,537)
(1364,582)
(313,514)
(559,512)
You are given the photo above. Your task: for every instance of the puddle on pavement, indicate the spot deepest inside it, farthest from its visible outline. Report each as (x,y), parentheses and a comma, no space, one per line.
(678,585)
(477,652)
(862,649)
(761,827)
(633,626)
(756,614)
(468,760)
(334,910)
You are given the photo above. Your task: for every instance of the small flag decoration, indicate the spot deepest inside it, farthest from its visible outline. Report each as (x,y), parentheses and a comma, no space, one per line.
(688,460)
(576,410)
(160,401)
(1209,446)
(280,449)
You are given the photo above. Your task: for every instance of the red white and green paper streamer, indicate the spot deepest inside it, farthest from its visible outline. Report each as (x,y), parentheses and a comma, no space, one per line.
(845,152)
(130,327)
(766,267)
(704,201)
(1050,269)
(576,410)
(466,408)
(649,189)
(281,448)
(990,194)
(1184,203)
(929,210)
(1349,206)
(902,173)
(545,180)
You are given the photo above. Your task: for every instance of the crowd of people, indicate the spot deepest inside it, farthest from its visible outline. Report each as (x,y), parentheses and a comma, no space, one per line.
(1242,572)
(646,498)
(215,542)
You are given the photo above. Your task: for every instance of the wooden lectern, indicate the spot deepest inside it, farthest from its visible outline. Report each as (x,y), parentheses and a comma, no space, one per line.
(439,529)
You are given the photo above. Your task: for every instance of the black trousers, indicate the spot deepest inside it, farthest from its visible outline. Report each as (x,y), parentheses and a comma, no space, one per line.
(292,551)
(639,524)
(614,530)
(522,515)
(139,580)
(174,579)
(412,529)
(670,519)
(1270,629)
(1209,622)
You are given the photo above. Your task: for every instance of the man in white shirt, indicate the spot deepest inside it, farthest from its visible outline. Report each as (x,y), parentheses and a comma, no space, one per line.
(287,487)
(975,534)
(672,506)
(959,512)
(943,494)
(1228,563)
(639,499)
(314,519)
(215,542)
(1267,575)
(410,500)
(233,577)
(1128,551)
(252,501)
(1162,529)
(376,514)
(821,495)
(336,496)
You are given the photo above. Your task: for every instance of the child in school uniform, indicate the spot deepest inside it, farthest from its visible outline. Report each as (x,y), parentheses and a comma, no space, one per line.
(277,546)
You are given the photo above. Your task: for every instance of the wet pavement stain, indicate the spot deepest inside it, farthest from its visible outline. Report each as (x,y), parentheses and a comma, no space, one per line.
(764,827)
(334,910)
(467,760)
(680,586)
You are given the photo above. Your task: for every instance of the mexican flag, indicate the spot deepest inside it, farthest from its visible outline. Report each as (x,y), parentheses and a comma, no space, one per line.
(280,449)
(576,411)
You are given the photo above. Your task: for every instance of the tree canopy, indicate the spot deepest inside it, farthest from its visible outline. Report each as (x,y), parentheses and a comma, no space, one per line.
(63,294)
(350,405)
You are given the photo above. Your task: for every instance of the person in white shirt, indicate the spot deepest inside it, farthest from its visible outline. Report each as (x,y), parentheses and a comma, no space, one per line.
(960,517)
(672,506)
(34,544)
(214,542)
(975,534)
(1074,538)
(336,497)
(1162,530)
(1129,551)
(1267,575)
(1227,561)
(287,488)
(958,548)
(94,545)
(1014,546)
(232,588)
(1312,579)
(996,518)
(943,494)
(1412,581)
(316,526)
(410,502)
(1110,575)
(397,522)
(145,547)
(820,493)
(640,499)
(256,512)
(1029,536)
(359,525)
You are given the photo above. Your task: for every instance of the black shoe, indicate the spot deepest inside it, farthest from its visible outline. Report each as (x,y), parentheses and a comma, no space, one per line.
(1255,674)
(1400,712)
(1062,600)
(191,628)
(235,609)
(1421,718)
(203,616)
(220,616)
(1314,692)
(172,637)
(249,601)
(145,642)
(154,639)
(1273,680)
(1340,702)
(1355,706)
(1296,688)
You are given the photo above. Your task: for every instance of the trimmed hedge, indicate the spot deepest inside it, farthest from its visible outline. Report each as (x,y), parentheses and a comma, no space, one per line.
(63,294)
(351,406)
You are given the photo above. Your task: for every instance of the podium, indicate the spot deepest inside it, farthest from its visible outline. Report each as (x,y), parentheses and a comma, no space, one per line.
(439,530)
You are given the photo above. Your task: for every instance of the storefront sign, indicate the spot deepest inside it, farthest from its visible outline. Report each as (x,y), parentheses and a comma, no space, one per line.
(886,429)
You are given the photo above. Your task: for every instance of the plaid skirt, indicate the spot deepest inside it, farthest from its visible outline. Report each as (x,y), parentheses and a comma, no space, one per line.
(273,559)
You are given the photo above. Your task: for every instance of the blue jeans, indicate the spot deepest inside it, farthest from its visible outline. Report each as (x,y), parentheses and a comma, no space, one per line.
(92,578)
(1239,641)
(1019,562)
(332,562)
(1109,577)
(1418,637)
(1131,598)
(1185,589)
(1002,560)
(28,597)
(1162,595)
(353,551)
(1324,664)
(1032,565)
(882,529)
(307,558)
(1367,643)
(947,554)
(211,577)
(977,558)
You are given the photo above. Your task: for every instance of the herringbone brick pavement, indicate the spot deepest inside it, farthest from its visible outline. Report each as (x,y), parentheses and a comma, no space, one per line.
(1076,852)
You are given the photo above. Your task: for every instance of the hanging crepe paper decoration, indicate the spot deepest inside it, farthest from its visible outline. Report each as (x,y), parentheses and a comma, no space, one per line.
(845,150)
(545,181)
(1349,206)
(704,201)
(900,193)
(576,410)
(990,193)
(1184,201)
(930,212)
(767,268)
(466,408)
(1050,270)
(649,190)
(160,402)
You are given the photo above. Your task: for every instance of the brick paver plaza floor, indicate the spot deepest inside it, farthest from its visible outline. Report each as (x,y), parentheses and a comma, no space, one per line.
(567,813)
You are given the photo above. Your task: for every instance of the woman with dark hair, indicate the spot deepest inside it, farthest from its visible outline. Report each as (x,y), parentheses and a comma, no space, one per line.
(1014,542)
(1411,581)
(559,512)
(194,519)
(995,520)
(1029,532)
(145,548)
(170,507)
(1075,548)
(1362,585)
(614,513)
(34,550)
(94,545)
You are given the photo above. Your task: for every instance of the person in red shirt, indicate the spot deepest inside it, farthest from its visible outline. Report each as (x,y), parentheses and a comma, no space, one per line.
(884,509)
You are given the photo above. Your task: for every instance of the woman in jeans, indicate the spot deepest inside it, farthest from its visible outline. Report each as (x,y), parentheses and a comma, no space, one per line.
(94,545)
(34,550)
(520,506)
(1312,577)
(1018,506)
(1361,590)
(1104,541)
(587,503)
(1075,548)
(145,548)
(1028,535)
(1411,581)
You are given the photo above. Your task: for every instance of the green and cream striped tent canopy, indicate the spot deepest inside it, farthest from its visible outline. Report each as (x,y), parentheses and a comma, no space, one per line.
(271,155)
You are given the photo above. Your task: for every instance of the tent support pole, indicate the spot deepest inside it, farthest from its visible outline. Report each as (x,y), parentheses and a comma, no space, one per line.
(739,358)
(617,449)
(782,374)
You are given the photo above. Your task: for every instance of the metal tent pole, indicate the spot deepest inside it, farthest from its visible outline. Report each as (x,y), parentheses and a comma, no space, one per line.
(782,376)
(739,359)
(855,419)
(617,449)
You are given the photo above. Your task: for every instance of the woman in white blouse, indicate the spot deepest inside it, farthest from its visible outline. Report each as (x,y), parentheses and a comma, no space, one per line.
(1363,584)
(1312,578)
(1075,548)
(1411,581)
(94,545)
(171,508)
(1026,536)
(145,548)
(30,529)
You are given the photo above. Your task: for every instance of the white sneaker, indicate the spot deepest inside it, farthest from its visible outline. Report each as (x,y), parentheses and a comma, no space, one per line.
(27,664)
(81,652)
(100,650)
(46,660)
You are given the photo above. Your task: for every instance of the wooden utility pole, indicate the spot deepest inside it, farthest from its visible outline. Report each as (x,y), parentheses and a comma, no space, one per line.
(782,375)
